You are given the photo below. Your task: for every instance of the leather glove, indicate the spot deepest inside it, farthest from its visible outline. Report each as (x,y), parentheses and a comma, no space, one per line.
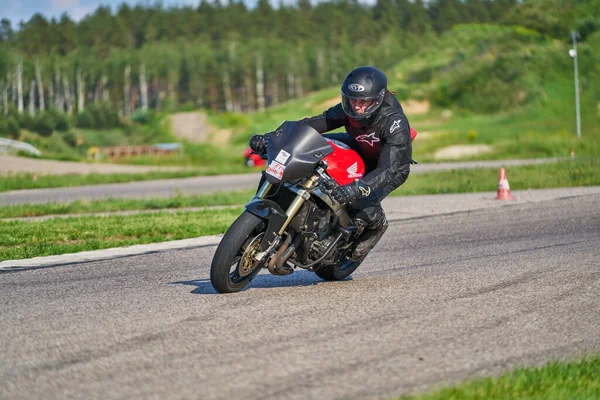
(258,143)
(351,192)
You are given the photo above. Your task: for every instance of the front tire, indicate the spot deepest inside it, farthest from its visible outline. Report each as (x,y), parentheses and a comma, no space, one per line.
(343,269)
(233,266)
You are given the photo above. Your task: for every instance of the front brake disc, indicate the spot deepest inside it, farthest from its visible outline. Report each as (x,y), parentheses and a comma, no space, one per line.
(248,262)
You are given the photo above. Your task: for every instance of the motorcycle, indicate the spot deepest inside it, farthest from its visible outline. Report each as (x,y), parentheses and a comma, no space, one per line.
(293,221)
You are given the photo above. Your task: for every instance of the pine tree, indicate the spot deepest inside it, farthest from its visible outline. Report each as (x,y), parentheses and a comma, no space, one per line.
(446,13)
(477,11)
(7,34)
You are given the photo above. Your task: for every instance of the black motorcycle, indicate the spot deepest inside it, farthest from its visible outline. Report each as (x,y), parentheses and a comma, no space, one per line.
(293,221)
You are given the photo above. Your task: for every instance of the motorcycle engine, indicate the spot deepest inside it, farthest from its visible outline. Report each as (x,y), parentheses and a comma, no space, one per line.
(315,223)
(319,247)
(311,219)
(323,239)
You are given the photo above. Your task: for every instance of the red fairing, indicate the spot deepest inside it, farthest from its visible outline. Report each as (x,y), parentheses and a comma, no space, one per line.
(344,165)
(413,134)
(253,159)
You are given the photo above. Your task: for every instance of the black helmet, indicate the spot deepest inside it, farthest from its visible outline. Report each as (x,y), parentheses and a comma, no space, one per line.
(363,83)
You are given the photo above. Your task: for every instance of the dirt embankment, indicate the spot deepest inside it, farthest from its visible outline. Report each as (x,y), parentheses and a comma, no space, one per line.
(194,126)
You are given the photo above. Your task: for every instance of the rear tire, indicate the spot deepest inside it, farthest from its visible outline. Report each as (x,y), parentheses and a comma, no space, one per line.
(233,266)
(343,269)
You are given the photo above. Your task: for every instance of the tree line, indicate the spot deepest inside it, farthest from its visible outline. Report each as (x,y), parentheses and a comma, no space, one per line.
(227,57)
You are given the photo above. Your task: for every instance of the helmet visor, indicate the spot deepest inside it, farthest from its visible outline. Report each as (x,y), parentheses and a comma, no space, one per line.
(359,107)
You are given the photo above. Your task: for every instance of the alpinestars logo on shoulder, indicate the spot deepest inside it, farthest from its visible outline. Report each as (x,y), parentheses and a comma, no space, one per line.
(395,125)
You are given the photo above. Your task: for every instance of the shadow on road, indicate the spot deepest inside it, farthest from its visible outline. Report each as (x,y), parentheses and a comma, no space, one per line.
(263,281)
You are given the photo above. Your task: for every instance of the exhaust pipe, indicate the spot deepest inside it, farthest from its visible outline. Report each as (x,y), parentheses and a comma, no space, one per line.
(276,264)
(288,253)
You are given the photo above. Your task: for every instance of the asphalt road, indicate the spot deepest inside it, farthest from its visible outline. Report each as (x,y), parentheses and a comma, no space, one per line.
(202,184)
(442,298)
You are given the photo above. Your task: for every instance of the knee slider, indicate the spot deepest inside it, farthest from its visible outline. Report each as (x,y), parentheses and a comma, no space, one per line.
(379,223)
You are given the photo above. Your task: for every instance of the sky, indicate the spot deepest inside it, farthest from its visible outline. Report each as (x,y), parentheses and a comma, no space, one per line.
(22,10)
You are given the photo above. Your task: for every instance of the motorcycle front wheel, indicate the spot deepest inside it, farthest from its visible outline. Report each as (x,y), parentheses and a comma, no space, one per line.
(234,264)
(343,269)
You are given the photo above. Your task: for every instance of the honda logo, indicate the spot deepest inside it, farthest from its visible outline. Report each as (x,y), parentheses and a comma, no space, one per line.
(353,171)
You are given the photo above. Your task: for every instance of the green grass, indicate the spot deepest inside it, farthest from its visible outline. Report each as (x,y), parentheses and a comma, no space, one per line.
(35,181)
(545,128)
(569,173)
(541,124)
(112,205)
(220,159)
(536,131)
(102,137)
(56,146)
(528,133)
(53,147)
(245,125)
(576,380)
(20,240)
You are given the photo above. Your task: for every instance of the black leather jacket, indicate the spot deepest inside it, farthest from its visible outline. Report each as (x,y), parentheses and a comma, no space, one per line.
(383,143)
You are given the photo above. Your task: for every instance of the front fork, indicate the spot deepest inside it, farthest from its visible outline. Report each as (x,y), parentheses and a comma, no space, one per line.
(302,195)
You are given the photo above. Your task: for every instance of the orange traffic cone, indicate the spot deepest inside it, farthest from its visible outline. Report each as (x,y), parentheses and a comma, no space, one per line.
(503,188)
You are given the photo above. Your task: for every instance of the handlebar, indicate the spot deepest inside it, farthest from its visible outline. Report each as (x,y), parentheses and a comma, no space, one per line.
(263,156)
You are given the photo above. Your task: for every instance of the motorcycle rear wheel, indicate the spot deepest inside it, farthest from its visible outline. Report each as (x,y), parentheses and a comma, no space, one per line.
(233,266)
(343,269)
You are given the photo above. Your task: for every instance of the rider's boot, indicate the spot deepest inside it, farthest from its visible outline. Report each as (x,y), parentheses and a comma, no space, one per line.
(368,239)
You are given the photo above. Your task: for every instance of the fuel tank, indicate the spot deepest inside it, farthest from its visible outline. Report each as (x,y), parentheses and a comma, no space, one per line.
(344,165)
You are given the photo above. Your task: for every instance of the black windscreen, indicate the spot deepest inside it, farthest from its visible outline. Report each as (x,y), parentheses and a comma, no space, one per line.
(293,150)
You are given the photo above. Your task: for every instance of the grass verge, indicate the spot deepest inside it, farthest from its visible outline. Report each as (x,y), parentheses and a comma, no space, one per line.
(36,181)
(20,240)
(557,380)
(576,172)
(112,205)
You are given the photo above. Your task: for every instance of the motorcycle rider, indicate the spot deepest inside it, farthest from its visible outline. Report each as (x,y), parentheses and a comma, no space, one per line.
(380,132)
